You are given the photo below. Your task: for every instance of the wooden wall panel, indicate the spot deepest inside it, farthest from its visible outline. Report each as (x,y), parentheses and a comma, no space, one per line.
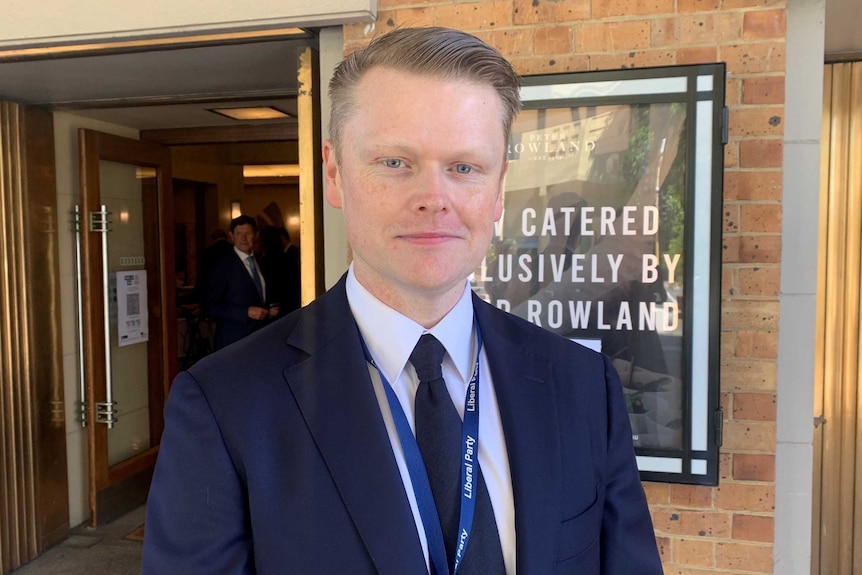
(34,510)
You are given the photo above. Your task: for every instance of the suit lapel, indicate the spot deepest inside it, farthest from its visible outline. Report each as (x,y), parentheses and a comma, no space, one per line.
(334,392)
(524,388)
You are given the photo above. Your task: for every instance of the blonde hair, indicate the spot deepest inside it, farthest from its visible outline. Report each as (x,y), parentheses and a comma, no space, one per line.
(439,52)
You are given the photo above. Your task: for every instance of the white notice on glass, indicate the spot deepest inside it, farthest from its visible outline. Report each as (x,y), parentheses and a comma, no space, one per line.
(132,320)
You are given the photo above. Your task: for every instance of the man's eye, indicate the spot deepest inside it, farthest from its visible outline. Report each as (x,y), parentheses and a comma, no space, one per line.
(463,168)
(393,163)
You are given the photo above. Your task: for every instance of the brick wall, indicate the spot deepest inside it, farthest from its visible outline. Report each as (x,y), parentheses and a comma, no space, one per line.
(700,530)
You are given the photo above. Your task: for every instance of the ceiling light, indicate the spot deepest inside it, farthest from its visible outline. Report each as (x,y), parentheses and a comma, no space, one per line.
(271,171)
(255,113)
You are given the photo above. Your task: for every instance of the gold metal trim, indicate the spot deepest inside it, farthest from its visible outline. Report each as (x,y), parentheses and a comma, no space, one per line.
(33,494)
(837,545)
(17,509)
(91,48)
(310,191)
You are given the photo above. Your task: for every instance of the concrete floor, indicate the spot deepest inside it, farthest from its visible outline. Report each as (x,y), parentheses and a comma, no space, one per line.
(102,551)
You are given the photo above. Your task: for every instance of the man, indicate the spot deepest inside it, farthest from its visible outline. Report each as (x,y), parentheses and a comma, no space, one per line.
(292,453)
(218,247)
(236,288)
(282,268)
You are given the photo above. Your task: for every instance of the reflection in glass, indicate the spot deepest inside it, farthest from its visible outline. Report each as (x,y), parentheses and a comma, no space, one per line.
(123,190)
(590,245)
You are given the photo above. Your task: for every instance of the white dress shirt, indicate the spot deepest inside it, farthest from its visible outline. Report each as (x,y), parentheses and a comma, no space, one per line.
(244,257)
(391,337)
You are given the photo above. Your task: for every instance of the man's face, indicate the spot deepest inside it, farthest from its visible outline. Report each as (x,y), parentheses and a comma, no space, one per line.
(420,181)
(243,238)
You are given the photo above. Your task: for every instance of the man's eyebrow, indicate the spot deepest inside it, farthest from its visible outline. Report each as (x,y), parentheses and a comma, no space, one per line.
(387,145)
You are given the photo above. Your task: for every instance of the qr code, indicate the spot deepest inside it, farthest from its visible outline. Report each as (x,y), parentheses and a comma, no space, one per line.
(133,304)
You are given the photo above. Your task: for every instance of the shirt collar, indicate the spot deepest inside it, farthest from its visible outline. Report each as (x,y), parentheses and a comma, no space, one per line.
(391,336)
(242,255)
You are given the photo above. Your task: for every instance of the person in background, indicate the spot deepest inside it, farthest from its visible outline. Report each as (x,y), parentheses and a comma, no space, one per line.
(281,259)
(217,247)
(347,437)
(236,295)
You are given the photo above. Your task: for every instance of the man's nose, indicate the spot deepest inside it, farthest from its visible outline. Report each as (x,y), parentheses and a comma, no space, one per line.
(432,193)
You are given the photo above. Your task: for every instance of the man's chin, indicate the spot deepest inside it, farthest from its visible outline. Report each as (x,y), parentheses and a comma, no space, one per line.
(436,285)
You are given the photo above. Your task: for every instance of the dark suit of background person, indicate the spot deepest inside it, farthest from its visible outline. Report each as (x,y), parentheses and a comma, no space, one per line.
(281,265)
(219,247)
(277,454)
(232,298)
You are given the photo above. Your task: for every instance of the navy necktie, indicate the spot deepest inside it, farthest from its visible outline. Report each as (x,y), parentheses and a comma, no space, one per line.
(438,433)
(254,277)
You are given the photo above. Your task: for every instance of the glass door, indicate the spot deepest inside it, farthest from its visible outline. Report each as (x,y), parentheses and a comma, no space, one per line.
(129,350)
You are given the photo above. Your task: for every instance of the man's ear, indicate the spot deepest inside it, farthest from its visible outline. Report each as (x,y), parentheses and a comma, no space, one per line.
(332,182)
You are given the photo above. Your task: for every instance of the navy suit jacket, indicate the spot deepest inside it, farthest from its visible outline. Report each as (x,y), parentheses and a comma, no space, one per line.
(275,458)
(230,292)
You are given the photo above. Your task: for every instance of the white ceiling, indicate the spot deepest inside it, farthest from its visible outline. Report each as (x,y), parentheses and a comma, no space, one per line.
(134,89)
(844,28)
(175,88)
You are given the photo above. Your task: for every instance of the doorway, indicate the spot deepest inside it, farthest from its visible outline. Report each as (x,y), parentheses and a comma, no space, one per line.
(127,115)
(194,213)
(257,179)
(126,201)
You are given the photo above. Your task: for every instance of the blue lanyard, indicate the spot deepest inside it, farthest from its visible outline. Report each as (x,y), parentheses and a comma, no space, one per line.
(419,476)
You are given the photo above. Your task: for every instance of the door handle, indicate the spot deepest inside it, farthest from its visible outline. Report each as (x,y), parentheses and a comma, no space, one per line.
(106,411)
(79,284)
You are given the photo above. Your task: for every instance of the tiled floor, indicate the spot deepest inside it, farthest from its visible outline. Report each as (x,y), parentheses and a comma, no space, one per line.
(114,549)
